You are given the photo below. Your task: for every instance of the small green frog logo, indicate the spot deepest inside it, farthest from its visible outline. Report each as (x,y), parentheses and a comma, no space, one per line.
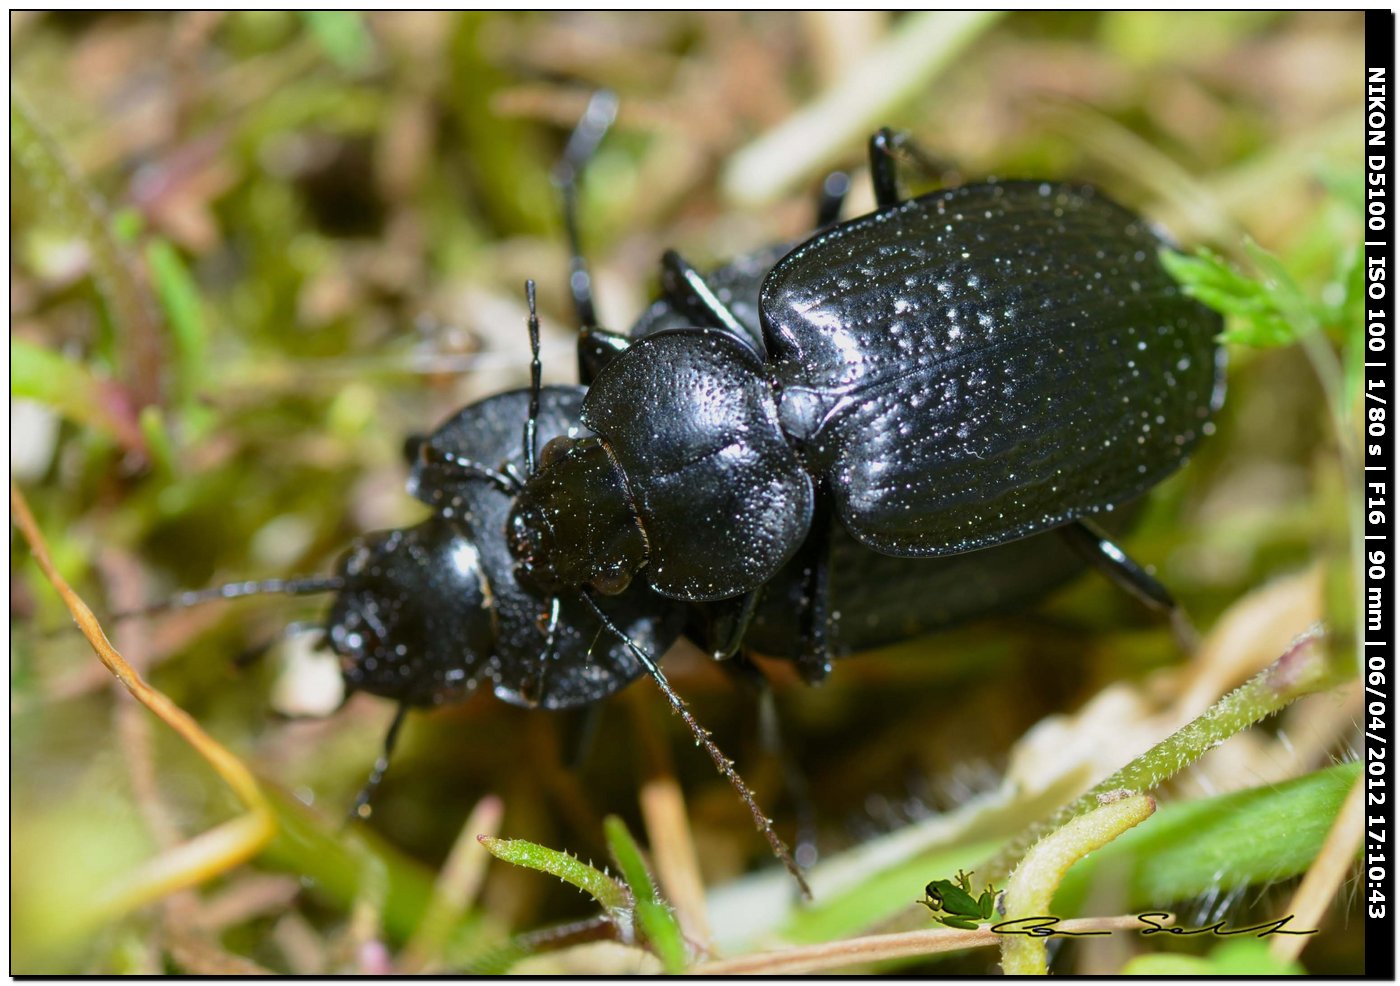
(952,903)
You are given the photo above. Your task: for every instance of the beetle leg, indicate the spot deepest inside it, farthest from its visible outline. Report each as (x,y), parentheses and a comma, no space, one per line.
(1095,547)
(703,739)
(534,691)
(361,808)
(887,148)
(687,289)
(728,622)
(596,349)
(814,658)
(751,678)
(531,452)
(254,653)
(583,142)
(832,197)
(883,171)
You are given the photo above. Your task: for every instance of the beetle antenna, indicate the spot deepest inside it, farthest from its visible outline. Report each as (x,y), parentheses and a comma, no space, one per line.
(702,737)
(361,808)
(305,586)
(597,117)
(531,422)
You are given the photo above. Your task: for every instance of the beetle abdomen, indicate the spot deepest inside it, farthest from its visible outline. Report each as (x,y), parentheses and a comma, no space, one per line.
(986,362)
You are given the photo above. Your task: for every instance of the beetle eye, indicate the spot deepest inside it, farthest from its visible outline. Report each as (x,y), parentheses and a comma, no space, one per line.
(554,450)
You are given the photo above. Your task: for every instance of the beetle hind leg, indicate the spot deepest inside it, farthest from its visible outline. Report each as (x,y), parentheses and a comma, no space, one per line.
(1096,548)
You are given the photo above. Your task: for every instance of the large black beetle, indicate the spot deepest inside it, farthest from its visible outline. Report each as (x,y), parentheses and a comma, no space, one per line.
(953,372)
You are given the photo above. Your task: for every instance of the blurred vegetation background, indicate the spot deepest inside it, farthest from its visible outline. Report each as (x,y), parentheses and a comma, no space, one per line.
(251,252)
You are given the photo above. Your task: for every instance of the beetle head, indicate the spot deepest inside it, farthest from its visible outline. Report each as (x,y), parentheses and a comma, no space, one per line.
(413,619)
(573,524)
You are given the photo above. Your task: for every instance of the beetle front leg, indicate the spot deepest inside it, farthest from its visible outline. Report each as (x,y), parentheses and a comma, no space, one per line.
(1095,547)
(686,288)
(361,807)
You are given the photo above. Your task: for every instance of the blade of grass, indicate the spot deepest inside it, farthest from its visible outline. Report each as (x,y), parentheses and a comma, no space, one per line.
(1244,838)
(1303,669)
(614,898)
(815,137)
(654,917)
(73,203)
(457,885)
(75,392)
(206,855)
(184,313)
(1319,888)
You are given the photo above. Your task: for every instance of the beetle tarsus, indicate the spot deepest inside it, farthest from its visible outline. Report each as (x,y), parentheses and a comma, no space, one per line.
(361,808)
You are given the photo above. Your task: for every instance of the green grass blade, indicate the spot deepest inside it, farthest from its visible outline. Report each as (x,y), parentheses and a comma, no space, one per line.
(654,916)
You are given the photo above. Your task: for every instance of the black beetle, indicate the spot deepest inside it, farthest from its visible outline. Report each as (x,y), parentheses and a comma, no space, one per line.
(424,614)
(946,374)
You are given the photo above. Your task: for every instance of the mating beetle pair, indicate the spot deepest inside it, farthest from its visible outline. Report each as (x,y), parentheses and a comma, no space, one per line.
(922,390)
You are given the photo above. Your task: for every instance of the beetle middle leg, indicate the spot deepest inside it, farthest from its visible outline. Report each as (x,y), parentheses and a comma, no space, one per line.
(597,118)
(596,346)
(1095,547)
